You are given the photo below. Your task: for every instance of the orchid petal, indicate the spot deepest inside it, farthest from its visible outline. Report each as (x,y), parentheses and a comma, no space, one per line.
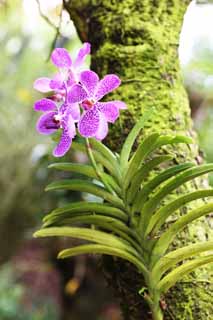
(89,123)
(61,58)
(74,110)
(68,134)
(46,124)
(57,81)
(106,85)
(89,80)
(63,145)
(110,109)
(44,105)
(42,84)
(102,129)
(83,52)
(76,94)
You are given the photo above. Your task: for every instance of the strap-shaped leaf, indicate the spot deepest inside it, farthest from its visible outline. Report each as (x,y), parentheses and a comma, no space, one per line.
(171,185)
(172,258)
(158,219)
(130,140)
(150,144)
(105,152)
(86,186)
(92,235)
(112,182)
(63,219)
(86,170)
(143,173)
(155,182)
(177,274)
(102,249)
(167,237)
(99,158)
(106,223)
(93,207)
(142,151)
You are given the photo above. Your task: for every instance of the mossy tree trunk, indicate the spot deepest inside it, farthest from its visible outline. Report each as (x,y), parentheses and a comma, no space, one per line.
(138,40)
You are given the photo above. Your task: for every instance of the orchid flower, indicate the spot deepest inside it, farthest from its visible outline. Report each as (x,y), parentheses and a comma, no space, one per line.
(96,115)
(68,71)
(55,118)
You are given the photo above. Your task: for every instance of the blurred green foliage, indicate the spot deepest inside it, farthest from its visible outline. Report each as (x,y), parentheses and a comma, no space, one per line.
(21,184)
(13,304)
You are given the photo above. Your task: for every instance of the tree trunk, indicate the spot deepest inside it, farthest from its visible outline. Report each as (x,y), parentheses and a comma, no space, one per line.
(138,40)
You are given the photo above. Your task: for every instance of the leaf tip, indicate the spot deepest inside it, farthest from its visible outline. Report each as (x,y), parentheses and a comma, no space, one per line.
(36,234)
(61,255)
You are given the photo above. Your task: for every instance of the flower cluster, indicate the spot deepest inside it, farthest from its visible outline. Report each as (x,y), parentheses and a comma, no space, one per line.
(75,100)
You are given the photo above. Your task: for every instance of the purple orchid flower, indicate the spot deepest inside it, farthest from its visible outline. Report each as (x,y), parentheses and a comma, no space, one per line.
(55,118)
(68,71)
(96,115)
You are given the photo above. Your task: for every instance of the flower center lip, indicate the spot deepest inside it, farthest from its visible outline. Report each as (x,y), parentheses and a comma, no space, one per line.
(57,120)
(88,104)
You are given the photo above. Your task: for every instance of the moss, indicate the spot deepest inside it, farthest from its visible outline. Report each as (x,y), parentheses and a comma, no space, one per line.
(138,39)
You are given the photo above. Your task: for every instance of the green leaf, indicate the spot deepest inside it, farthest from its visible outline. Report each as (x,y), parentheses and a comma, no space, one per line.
(130,140)
(102,249)
(164,212)
(167,237)
(155,182)
(142,174)
(84,169)
(86,234)
(174,257)
(107,223)
(106,152)
(177,274)
(111,181)
(99,158)
(92,207)
(96,218)
(142,151)
(171,185)
(86,186)
(150,144)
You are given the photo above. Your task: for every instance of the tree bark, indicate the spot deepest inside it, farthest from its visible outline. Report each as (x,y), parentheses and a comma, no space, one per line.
(138,40)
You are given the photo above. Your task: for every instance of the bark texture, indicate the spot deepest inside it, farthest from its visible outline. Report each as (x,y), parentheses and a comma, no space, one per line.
(138,40)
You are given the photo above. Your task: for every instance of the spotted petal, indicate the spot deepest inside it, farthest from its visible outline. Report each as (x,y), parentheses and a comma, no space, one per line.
(57,81)
(44,105)
(46,124)
(102,129)
(89,123)
(110,109)
(74,110)
(76,94)
(61,58)
(89,80)
(65,142)
(109,83)
(83,52)
(42,84)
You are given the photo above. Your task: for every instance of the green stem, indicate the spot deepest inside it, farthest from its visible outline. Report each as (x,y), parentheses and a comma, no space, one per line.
(155,308)
(153,298)
(157,313)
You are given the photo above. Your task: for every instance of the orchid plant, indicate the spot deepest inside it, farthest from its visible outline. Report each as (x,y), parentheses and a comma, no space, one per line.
(130,222)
